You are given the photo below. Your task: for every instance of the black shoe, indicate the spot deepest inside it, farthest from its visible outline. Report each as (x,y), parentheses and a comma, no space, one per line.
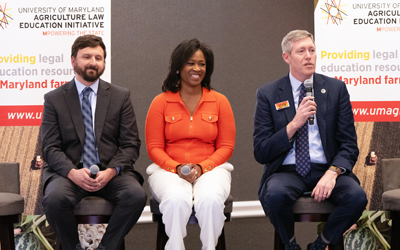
(318,246)
(297,247)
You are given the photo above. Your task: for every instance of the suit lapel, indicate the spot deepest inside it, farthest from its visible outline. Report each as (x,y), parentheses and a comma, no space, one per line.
(286,94)
(71,98)
(321,92)
(103,100)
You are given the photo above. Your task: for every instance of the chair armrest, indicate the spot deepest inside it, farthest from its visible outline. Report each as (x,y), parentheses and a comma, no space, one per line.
(391,174)
(9,178)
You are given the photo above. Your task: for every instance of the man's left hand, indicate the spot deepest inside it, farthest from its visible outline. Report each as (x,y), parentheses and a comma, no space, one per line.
(103,177)
(325,185)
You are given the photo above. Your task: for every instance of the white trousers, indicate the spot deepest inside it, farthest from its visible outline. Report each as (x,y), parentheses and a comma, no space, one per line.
(177,197)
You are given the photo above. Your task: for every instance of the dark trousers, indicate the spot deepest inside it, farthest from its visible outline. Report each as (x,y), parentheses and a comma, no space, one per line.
(124,191)
(284,187)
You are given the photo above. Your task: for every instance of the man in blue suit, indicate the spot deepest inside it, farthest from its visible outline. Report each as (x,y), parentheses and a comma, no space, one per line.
(328,148)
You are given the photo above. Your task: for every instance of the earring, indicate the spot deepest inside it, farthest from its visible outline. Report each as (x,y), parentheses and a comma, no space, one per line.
(178,84)
(177,72)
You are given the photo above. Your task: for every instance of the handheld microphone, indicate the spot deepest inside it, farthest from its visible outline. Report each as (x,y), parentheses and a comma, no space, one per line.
(94,169)
(185,170)
(308,84)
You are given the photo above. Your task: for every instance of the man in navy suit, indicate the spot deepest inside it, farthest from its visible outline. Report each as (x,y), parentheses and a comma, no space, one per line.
(114,148)
(331,152)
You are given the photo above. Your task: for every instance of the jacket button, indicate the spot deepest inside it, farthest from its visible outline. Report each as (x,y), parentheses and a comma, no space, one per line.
(173,118)
(210,118)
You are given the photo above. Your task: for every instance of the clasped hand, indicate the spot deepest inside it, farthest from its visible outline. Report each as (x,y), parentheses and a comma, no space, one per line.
(81,177)
(193,175)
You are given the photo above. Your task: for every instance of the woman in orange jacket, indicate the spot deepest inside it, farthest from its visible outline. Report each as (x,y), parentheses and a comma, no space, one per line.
(190,135)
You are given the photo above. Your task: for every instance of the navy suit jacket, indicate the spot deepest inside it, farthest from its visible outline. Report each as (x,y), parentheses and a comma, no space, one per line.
(334,116)
(63,130)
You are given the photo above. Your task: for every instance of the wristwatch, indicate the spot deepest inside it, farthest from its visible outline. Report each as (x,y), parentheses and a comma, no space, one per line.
(335,169)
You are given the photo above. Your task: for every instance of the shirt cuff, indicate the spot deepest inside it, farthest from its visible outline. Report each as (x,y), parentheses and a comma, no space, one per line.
(206,165)
(118,169)
(341,168)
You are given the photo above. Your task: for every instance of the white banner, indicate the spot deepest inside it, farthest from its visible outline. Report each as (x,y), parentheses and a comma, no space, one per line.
(36,51)
(358,42)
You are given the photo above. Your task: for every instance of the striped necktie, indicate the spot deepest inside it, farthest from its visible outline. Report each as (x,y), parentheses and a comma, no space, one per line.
(89,148)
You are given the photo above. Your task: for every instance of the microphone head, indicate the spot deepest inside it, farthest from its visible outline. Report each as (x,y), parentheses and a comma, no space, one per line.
(94,169)
(185,170)
(308,83)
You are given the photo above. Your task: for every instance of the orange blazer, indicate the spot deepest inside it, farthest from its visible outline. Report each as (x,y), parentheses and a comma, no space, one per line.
(175,137)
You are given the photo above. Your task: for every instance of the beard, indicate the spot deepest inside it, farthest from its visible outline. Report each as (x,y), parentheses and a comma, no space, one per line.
(88,76)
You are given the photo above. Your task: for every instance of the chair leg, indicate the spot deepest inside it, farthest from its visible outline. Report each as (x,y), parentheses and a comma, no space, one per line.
(395,239)
(7,236)
(278,245)
(221,241)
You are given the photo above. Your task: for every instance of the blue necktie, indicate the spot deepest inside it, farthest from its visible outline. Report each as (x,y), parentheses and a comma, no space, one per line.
(89,148)
(302,147)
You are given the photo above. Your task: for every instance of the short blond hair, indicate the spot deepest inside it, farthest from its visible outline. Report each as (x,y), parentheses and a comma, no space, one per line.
(292,37)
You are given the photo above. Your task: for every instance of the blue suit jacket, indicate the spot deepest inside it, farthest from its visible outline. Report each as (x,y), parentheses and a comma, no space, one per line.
(334,116)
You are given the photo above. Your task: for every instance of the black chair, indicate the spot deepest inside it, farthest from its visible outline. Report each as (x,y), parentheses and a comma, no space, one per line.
(162,237)
(307,210)
(11,203)
(391,196)
(100,213)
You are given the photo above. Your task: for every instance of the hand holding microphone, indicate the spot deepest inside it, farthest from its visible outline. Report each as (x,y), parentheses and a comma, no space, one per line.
(308,84)
(305,110)
(85,178)
(94,169)
(188,172)
(185,169)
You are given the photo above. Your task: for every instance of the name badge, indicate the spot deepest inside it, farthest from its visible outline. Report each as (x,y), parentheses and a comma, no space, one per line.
(282,105)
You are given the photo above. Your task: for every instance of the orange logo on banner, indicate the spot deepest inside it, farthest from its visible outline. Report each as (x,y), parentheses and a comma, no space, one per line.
(334,12)
(5,18)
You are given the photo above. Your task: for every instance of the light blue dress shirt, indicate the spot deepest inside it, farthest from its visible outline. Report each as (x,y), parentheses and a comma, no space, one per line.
(317,154)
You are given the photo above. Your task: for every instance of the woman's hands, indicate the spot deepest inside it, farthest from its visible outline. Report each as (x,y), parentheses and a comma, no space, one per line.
(195,172)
